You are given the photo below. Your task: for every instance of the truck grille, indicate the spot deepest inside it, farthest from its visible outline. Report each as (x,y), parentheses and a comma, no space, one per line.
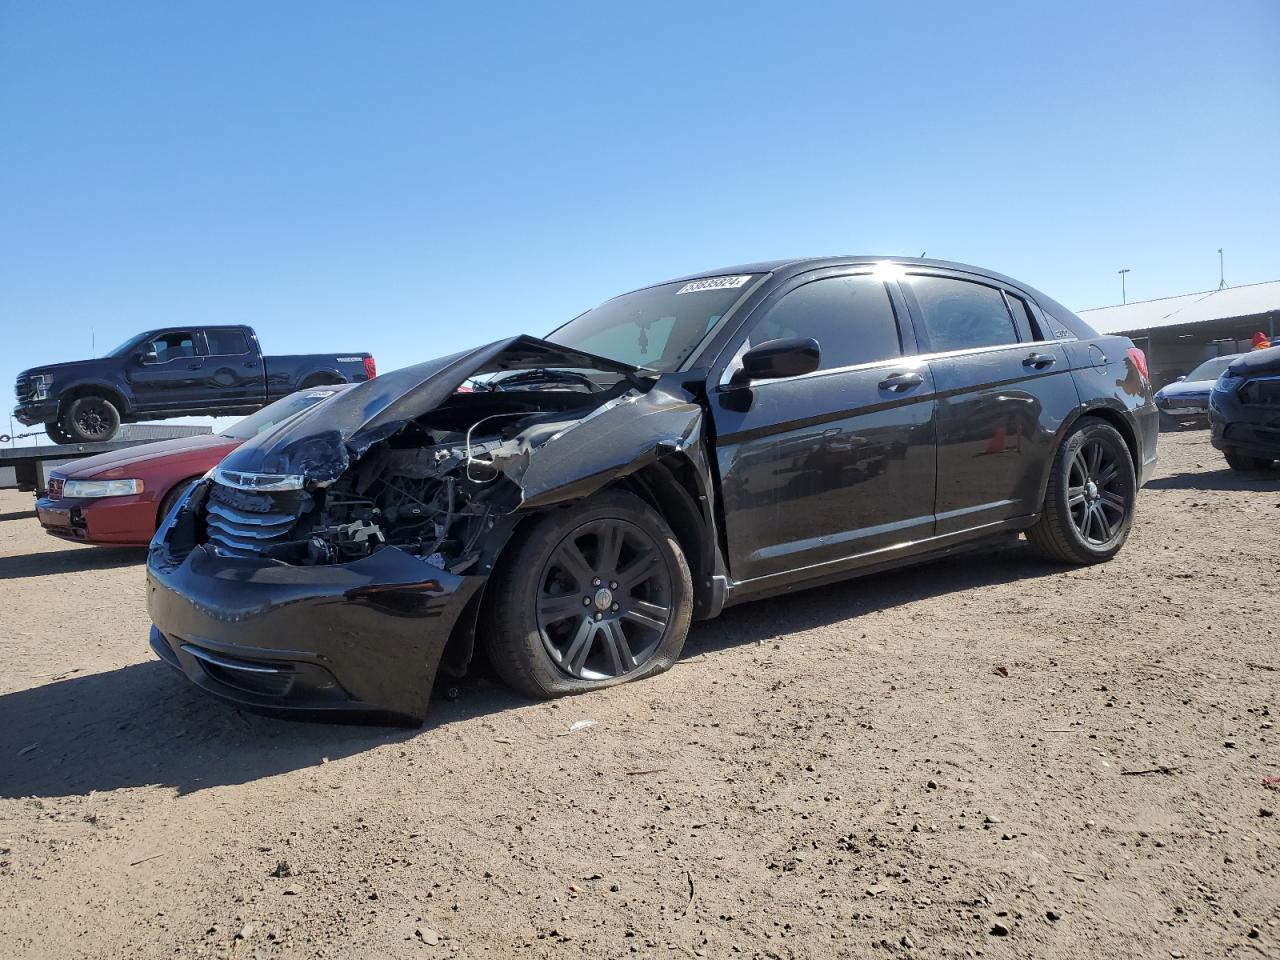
(241,524)
(22,389)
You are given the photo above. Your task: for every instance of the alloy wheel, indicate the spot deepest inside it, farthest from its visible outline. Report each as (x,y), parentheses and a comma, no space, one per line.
(604,600)
(1097,494)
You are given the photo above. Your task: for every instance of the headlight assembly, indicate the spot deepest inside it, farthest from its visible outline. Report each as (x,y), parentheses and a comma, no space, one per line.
(101,488)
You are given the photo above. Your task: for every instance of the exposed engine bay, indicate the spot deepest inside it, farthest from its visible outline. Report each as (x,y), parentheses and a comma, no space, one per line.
(431,489)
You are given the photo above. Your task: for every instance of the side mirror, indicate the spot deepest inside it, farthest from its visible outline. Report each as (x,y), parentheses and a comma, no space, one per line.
(773,359)
(1180,379)
(148,355)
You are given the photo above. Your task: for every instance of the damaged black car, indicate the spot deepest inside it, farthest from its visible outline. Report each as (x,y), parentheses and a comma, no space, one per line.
(569,505)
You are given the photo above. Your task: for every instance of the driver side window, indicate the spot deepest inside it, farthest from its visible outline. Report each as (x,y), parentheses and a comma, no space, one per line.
(172,345)
(851,318)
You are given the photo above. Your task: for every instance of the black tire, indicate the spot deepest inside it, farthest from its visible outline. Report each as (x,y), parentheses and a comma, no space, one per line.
(56,434)
(1243,462)
(1089,504)
(90,419)
(551,629)
(170,498)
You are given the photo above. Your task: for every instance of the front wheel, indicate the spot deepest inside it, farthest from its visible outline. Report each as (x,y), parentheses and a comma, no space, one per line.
(1089,504)
(90,419)
(590,596)
(1242,461)
(57,434)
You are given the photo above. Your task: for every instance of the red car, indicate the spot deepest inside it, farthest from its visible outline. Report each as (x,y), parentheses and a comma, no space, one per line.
(120,497)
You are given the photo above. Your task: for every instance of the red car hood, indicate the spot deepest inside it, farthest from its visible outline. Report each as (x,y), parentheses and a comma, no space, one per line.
(192,450)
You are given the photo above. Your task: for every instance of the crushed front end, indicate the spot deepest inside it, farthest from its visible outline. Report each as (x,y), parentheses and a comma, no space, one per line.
(324,566)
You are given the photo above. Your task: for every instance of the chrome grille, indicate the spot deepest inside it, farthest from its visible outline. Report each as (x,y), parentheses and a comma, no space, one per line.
(22,389)
(240,524)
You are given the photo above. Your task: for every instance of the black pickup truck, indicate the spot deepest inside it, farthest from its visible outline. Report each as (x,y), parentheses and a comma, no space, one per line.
(174,372)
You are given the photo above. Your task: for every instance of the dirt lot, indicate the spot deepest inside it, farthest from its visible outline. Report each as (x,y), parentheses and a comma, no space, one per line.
(837,774)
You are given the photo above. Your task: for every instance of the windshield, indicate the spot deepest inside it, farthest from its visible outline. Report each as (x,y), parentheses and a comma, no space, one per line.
(282,409)
(128,345)
(1210,369)
(658,327)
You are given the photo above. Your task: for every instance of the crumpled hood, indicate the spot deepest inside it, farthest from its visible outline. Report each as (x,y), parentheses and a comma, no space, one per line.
(1259,361)
(143,453)
(320,442)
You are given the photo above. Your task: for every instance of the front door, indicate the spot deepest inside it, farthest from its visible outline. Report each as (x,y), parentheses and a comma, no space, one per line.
(818,469)
(1003,391)
(170,374)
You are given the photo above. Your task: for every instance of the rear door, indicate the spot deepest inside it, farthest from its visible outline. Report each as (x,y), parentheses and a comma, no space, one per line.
(820,468)
(1003,391)
(233,368)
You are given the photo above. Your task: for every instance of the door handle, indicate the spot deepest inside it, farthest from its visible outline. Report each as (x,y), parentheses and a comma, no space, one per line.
(195,366)
(1040,360)
(902,380)
(250,363)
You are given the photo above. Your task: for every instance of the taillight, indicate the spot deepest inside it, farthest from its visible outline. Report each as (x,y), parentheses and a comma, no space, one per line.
(371,368)
(1140,361)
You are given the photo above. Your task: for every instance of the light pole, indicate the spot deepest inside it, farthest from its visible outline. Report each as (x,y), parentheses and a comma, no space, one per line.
(1123,296)
(1222,276)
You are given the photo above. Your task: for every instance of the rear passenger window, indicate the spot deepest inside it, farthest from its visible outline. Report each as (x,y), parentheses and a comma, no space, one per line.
(1022,318)
(850,317)
(959,315)
(226,342)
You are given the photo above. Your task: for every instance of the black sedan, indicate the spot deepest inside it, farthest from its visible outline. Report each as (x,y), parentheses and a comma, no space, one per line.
(571,504)
(1244,411)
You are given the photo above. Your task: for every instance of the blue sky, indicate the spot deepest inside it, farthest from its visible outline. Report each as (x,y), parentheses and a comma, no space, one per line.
(414,178)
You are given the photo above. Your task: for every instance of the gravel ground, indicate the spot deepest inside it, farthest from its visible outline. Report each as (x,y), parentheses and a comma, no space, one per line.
(841,773)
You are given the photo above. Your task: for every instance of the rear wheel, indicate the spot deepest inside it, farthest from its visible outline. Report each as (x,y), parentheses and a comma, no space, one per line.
(1089,504)
(591,596)
(1242,461)
(90,419)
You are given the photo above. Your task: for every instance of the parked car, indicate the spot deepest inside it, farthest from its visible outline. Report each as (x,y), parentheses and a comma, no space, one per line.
(1185,402)
(121,496)
(1244,411)
(174,372)
(720,438)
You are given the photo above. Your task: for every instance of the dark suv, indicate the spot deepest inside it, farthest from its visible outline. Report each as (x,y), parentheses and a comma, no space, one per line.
(573,502)
(1244,411)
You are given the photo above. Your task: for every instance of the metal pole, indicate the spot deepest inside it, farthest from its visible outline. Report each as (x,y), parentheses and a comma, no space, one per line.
(1222,276)
(1124,298)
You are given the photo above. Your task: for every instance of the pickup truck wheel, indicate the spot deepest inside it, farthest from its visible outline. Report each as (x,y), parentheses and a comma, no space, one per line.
(90,419)
(57,434)
(589,597)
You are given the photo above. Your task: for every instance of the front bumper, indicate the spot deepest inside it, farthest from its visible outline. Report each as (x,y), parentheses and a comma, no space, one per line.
(36,411)
(359,638)
(1251,429)
(119,521)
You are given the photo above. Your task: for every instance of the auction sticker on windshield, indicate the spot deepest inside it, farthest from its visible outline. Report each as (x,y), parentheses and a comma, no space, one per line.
(713,283)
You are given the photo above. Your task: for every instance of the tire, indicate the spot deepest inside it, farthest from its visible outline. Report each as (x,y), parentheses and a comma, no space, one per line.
(90,419)
(549,630)
(56,434)
(175,493)
(1089,504)
(1242,461)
